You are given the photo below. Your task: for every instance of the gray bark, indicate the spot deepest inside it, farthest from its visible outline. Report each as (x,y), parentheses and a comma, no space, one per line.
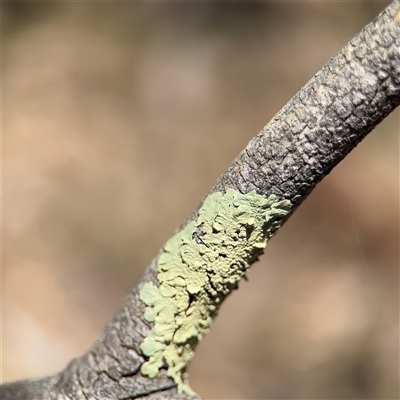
(316,129)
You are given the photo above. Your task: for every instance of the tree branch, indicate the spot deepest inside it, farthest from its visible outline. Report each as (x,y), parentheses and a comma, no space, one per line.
(316,129)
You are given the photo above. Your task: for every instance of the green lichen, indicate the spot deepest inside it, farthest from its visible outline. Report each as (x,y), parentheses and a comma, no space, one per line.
(199,267)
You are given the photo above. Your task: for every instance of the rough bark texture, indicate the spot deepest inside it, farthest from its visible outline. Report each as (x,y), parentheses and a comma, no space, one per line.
(319,126)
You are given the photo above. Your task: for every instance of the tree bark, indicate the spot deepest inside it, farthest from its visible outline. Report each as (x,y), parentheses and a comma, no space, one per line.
(315,130)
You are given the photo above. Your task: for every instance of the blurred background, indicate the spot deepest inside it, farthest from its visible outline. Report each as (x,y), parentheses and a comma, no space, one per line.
(118,118)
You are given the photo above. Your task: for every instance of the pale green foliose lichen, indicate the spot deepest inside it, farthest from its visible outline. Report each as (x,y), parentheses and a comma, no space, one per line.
(199,267)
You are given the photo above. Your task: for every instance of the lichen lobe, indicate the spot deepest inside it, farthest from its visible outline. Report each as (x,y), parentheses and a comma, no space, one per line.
(199,267)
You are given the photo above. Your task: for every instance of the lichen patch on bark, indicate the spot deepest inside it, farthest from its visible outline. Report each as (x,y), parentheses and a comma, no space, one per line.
(199,267)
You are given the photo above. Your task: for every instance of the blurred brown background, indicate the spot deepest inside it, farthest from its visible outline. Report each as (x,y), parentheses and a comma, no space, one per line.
(117,118)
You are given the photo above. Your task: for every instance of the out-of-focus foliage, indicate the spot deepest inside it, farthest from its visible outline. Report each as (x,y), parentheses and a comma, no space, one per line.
(117,118)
